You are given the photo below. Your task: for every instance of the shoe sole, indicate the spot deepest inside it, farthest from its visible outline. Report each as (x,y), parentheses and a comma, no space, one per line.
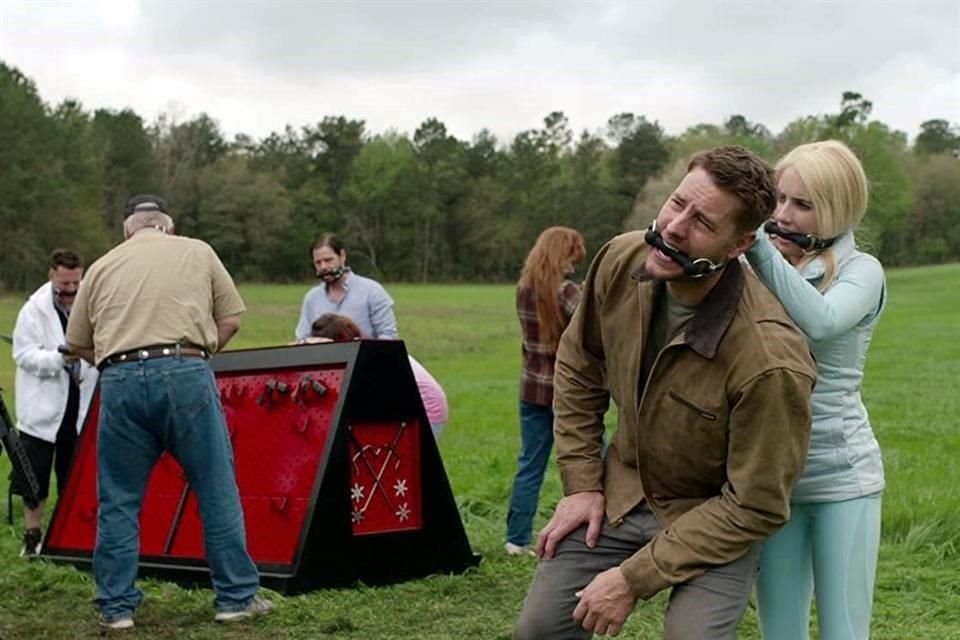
(113,626)
(259,607)
(238,616)
(517,551)
(235,618)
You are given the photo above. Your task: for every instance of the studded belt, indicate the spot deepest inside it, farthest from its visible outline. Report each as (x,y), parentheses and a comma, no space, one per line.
(156,351)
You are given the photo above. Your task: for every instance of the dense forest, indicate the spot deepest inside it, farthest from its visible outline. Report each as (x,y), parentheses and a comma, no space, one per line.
(426,207)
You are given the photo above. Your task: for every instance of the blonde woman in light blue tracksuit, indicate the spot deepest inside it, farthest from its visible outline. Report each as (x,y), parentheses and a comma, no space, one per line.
(807,256)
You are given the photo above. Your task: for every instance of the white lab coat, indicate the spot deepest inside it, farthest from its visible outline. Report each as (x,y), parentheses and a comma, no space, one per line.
(42,383)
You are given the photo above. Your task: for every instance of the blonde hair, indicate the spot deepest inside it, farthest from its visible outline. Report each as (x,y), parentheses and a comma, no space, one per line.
(543,273)
(837,186)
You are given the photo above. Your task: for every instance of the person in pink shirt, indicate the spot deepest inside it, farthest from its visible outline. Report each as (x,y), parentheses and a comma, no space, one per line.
(338,328)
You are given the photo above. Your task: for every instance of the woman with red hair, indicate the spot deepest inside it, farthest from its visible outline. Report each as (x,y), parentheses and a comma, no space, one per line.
(546,300)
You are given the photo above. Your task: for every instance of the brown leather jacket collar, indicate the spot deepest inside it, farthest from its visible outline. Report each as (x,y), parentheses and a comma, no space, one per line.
(715,311)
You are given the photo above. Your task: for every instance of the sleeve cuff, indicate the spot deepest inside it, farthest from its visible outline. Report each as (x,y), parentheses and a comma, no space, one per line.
(642,575)
(580,477)
(229,313)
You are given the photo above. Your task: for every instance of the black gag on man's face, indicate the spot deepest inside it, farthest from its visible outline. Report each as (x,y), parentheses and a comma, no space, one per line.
(331,275)
(692,267)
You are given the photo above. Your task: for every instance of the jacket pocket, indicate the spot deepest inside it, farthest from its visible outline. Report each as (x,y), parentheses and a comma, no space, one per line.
(41,408)
(687,444)
(707,415)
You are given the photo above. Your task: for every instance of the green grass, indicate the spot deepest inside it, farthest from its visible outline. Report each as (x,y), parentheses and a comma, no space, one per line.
(468,337)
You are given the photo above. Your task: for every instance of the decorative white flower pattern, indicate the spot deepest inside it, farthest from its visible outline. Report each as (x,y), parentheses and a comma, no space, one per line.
(356,493)
(377,489)
(403,512)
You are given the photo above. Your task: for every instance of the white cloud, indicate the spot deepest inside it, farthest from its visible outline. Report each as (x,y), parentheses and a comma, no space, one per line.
(257,66)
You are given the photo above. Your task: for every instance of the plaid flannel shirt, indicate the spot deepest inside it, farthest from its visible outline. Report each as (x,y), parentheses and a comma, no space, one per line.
(536,373)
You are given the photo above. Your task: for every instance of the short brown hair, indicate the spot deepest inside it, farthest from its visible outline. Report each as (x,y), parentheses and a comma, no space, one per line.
(746,176)
(335,327)
(328,240)
(65,258)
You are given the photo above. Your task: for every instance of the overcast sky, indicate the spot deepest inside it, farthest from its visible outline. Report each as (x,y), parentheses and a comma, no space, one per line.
(257,66)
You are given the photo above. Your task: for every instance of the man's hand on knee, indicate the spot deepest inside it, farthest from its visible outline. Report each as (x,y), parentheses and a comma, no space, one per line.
(572,511)
(605,603)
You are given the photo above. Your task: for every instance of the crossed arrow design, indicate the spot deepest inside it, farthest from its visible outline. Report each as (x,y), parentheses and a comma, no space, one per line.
(361,455)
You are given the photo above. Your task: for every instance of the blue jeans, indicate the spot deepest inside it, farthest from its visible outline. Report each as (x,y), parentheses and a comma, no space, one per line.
(146,408)
(536,440)
(827,548)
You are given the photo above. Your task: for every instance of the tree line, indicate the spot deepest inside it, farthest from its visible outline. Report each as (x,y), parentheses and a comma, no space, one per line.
(426,207)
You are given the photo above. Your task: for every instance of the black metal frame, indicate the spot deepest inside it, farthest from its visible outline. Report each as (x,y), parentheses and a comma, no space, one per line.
(19,461)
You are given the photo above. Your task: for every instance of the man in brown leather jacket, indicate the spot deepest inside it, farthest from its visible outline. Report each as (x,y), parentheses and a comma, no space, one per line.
(712,382)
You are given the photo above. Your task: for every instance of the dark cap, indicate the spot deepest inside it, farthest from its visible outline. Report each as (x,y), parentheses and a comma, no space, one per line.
(145,202)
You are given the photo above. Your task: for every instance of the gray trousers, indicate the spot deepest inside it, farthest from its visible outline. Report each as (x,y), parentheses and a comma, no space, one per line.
(709,607)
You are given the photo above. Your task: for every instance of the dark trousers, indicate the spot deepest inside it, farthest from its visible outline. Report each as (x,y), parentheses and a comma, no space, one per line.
(50,456)
(709,607)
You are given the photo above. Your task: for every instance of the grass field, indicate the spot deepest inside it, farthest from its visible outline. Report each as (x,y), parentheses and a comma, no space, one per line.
(468,337)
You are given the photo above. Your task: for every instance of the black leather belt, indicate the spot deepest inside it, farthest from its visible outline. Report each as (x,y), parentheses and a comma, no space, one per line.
(155,351)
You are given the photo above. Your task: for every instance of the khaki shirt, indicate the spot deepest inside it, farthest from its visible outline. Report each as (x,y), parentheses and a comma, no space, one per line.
(152,289)
(721,431)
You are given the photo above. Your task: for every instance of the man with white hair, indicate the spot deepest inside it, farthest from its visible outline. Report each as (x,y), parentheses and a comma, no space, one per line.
(150,314)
